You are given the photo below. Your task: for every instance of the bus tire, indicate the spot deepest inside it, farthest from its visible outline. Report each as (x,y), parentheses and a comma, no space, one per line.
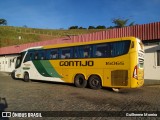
(80,81)
(26,77)
(13,75)
(94,82)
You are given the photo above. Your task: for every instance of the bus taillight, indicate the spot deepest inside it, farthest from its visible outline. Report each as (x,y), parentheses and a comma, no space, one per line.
(135,72)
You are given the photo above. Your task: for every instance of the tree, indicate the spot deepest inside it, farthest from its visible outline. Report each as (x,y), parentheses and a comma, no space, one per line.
(3,22)
(101,27)
(81,28)
(131,24)
(91,27)
(119,23)
(73,27)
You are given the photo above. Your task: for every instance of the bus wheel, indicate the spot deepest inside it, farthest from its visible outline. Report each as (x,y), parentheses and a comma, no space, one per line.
(116,89)
(13,75)
(26,77)
(80,81)
(94,82)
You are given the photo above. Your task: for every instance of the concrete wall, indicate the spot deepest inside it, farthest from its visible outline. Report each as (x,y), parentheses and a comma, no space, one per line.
(7,63)
(152,71)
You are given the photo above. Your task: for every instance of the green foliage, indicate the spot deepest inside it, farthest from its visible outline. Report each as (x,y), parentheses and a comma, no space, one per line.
(91,27)
(119,23)
(73,27)
(3,22)
(10,35)
(131,24)
(81,28)
(101,27)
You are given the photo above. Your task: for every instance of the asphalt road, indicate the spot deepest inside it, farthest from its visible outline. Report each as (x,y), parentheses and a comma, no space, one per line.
(49,96)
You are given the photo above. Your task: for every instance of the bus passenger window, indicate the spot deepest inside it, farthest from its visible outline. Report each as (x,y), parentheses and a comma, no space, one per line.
(36,56)
(98,54)
(86,54)
(51,55)
(30,56)
(63,56)
(54,54)
(42,56)
(66,53)
(78,52)
(100,50)
(87,51)
(119,48)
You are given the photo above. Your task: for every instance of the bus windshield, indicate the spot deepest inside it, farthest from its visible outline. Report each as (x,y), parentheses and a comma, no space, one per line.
(19,60)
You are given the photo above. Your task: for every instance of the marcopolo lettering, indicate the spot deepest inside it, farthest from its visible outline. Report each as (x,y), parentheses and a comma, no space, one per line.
(76,63)
(115,63)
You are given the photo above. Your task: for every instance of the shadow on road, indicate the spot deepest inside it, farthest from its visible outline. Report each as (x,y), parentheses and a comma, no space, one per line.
(3,106)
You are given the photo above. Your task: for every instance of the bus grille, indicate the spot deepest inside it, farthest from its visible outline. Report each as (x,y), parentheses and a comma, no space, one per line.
(119,78)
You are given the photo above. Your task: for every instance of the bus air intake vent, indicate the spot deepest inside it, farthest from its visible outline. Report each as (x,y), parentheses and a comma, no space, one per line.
(119,78)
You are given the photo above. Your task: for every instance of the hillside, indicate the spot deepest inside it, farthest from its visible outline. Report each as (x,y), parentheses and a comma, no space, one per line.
(18,35)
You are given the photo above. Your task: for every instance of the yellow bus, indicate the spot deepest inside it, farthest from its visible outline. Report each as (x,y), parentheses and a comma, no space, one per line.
(116,63)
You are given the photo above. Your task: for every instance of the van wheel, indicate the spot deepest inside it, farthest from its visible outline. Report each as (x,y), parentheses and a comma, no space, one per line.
(95,82)
(80,81)
(26,77)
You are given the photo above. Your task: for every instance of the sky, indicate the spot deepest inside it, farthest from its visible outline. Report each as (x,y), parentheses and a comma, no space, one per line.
(61,14)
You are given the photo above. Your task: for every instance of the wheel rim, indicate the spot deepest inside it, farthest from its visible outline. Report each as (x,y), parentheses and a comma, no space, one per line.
(95,82)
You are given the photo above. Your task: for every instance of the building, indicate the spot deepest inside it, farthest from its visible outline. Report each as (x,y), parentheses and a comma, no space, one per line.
(148,33)
(7,62)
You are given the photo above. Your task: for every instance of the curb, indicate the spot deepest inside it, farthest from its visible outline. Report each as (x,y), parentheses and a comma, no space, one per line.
(151,82)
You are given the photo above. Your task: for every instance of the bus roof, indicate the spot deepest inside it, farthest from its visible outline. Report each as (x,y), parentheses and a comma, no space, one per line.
(79,43)
(84,43)
(32,48)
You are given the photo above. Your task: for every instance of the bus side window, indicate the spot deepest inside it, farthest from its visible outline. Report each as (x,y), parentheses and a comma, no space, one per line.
(54,54)
(78,52)
(66,53)
(36,55)
(87,51)
(100,50)
(28,57)
(47,54)
(42,55)
(119,48)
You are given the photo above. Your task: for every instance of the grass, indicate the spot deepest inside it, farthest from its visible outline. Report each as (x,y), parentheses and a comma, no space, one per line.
(10,35)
